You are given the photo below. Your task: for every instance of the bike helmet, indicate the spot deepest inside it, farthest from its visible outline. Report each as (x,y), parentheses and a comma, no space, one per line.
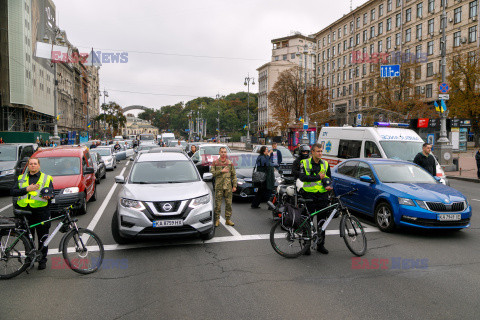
(326,182)
(304,151)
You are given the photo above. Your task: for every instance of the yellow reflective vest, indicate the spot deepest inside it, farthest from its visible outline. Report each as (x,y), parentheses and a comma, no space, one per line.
(314,186)
(33,198)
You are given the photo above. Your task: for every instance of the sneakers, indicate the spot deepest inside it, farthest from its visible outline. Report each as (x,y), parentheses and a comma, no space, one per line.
(217,223)
(42,265)
(321,248)
(229,223)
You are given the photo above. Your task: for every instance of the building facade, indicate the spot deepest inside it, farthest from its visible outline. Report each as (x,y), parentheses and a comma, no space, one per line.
(138,126)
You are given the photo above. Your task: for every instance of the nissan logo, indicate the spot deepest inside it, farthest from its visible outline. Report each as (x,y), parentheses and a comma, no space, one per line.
(167,207)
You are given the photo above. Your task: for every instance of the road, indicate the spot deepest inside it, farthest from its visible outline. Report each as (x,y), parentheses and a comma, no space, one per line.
(237,275)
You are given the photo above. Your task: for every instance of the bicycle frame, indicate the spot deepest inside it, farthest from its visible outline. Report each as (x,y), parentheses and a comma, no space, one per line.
(324,226)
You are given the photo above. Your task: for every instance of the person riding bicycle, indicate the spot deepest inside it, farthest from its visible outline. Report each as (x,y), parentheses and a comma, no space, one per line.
(315,175)
(304,153)
(31,191)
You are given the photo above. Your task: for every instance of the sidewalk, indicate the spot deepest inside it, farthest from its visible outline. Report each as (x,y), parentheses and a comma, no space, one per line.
(467,167)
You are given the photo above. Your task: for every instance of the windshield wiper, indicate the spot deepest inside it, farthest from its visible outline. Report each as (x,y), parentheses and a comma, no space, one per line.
(141,182)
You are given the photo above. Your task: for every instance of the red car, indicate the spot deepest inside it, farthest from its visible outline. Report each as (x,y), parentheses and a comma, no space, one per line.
(73,176)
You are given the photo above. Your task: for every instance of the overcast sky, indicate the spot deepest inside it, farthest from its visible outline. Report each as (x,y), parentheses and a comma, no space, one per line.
(179,50)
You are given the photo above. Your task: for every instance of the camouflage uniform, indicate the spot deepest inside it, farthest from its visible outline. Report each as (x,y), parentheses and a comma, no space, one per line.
(224,181)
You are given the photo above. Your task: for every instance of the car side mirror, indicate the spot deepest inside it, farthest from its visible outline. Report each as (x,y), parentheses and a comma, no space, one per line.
(367,179)
(88,170)
(207,176)
(437,179)
(120,179)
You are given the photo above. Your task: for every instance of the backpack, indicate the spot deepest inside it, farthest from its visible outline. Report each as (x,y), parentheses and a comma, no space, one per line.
(291,216)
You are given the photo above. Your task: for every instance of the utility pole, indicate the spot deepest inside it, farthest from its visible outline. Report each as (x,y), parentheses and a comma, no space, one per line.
(305,116)
(247,83)
(218,117)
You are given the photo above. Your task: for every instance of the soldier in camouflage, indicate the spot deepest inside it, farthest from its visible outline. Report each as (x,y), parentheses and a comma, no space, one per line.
(225,183)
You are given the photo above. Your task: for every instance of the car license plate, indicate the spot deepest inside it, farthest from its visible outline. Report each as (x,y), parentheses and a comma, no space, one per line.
(167,223)
(53,200)
(255,189)
(287,171)
(449,217)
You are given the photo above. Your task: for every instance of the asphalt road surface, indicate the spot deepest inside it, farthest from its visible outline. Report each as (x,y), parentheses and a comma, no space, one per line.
(237,275)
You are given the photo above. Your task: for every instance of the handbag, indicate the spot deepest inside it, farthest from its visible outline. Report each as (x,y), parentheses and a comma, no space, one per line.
(258,176)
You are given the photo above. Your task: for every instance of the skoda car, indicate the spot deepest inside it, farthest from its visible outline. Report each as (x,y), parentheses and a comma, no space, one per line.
(400,193)
(108,156)
(163,196)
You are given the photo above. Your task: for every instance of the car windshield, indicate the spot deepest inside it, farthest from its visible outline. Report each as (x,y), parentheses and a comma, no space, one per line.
(212,150)
(285,152)
(147,147)
(243,161)
(163,172)
(401,150)
(147,137)
(60,166)
(104,151)
(402,173)
(8,153)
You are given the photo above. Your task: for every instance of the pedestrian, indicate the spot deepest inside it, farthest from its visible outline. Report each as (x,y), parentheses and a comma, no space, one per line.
(304,153)
(225,184)
(315,175)
(264,189)
(1,140)
(192,151)
(31,191)
(425,160)
(477,158)
(276,156)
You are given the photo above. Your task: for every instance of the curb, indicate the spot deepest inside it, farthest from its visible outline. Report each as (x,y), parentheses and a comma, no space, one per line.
(464,179)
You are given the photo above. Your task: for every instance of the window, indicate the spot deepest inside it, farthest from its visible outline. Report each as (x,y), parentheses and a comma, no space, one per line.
(284,57)
(407,56)
(339,33)
(371,151)
(351,27)
(419,31)
(408,35)
(472,9)
(418,51)
(398,38)
(323,41)
(334,36)
(380,28)
(389,24)
(430,48)
(429,91)
(365,35)
(358,22)
(457,15)
(350,42)
(292,56)
(380,10)
(372,49)
(364,69)
(345,30)
(408,15)
(398,20)
(344,45)
(347,168)
(417,91)
(431,26)
(431,6)
(372,32)
(365,19)
(389,43)
(472,57)
(456,39)
(472,34)
(328,37)
(276,58)
(429,69)
(349,149)
(399,3)
(333,51)
(389,5)
(357,39)
(380,46)
(372,15)
(420,10)
(418,72)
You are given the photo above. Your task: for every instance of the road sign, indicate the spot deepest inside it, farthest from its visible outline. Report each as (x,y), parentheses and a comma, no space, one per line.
(390,71)
(359,119)
(444,96)
(305,126)
(443,88)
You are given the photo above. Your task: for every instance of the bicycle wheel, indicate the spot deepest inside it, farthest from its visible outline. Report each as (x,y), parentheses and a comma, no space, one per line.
(83,251)
(15,261)
(353,235)
(288,243)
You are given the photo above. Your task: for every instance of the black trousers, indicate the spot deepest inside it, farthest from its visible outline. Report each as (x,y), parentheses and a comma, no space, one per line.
(320,201)
(262,194)
(39,215)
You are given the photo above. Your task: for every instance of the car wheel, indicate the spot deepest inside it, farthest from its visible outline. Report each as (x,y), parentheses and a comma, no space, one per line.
(94,195)
(104,174)
(83,208)
(384,217)
(209,235)
(97,181)
(116,230)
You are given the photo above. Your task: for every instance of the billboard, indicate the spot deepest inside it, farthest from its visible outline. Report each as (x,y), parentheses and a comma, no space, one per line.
(43,24)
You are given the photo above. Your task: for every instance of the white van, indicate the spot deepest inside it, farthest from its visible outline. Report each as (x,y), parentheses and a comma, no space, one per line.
(340,143)
(167,136)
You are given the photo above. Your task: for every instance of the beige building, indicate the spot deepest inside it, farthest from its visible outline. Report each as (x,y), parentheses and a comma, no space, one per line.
(138,126)
(287,52)
(391,28)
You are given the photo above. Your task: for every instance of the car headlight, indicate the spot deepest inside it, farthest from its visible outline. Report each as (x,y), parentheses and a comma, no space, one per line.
(201,200)
(7,172)
(406,202)
(422,204)
(70,190)
(240,182)
(132,204)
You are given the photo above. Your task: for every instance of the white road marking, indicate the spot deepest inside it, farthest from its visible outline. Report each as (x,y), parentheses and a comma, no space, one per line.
(6,207)
(475,199)
(250,237)
(230,229)
(105,202)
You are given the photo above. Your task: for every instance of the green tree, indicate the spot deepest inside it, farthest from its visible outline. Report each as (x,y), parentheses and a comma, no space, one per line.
(112,115)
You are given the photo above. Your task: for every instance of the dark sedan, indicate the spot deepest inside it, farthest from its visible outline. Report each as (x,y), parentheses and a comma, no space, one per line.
(99,166)
(285,167)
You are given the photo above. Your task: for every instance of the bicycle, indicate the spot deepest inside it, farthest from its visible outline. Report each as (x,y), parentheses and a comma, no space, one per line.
(82,249)
(293,242)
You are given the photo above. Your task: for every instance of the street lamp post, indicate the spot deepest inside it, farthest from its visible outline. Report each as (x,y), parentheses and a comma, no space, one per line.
(247,83)
(105,94)
(305,116)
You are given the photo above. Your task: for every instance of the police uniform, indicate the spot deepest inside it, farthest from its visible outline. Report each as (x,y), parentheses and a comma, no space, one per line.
(224,182)
(314,189)
(34,202)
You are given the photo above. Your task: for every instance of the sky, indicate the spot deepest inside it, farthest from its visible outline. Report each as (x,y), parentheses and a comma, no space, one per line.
(180,50)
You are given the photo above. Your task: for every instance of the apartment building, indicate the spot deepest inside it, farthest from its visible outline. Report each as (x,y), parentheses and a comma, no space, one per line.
(391,28)
(287,52)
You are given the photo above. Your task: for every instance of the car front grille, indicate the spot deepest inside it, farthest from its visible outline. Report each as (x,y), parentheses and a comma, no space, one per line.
(441,207)
(437,223)
(173,204)
(57,192)
(152,230)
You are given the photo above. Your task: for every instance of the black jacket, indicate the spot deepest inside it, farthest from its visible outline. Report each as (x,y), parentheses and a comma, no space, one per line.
(477,158)
(315,170)
(427,163)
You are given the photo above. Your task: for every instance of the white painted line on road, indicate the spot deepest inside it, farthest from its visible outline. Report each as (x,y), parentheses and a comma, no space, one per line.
(105,202)
(472,200)
(250,237)
(230,229)
(6,207)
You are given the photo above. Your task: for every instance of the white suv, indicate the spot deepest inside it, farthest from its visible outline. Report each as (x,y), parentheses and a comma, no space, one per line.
(163,196)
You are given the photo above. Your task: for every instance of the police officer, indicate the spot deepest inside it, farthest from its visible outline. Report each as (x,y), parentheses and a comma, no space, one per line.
(312,171)
(225,183)
(304,153)
(28,190)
